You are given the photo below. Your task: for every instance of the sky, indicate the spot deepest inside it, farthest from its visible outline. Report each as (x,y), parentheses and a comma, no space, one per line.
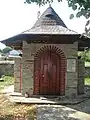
(16,17)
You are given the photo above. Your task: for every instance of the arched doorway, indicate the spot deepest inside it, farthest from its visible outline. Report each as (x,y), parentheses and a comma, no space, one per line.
(49,71)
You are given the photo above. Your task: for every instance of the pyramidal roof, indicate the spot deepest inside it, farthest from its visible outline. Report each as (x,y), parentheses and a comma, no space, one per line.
(49,17)
(49,23)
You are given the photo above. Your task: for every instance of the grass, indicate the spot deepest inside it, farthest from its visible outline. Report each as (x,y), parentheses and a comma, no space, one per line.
(6,81)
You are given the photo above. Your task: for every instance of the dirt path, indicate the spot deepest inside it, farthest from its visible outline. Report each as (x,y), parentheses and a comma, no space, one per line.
(9,89)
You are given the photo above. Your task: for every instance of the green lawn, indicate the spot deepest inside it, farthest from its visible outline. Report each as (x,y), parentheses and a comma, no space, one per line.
(6,81)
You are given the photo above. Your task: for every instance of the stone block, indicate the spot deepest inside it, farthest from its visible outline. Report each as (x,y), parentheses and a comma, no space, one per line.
(71,91)
(72,79)
(17,86)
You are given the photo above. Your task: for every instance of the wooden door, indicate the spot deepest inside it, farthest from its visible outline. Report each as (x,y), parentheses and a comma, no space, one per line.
(47,74)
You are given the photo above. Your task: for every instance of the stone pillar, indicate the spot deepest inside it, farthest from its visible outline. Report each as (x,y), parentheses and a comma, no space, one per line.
(72,70)
(71,78)
(17,74)
(28,69)
(81,74)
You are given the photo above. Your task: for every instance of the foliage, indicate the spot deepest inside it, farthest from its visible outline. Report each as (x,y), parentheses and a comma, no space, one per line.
(87,64)
(83,6)
(6,50)
(85,55)
(87,81)
(40,2)
(0,51)
(87,28)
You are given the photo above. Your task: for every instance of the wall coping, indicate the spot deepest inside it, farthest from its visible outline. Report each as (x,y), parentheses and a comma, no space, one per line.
(6,62)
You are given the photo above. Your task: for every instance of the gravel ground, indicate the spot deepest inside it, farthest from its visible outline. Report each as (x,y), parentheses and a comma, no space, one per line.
(83,106)
(58,112)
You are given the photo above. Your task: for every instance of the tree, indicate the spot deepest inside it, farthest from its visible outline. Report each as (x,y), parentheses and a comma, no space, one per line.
(6,50)
(85,55)
(0,51)
(83,6)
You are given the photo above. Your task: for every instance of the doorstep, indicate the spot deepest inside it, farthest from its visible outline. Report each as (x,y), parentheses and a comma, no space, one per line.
(17,98)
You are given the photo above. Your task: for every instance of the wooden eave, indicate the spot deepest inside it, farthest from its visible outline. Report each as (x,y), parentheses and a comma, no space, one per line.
(61,38)
(17,41)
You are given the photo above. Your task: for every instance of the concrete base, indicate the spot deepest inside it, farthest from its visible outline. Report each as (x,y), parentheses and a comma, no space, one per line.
(17,98)
(65,100)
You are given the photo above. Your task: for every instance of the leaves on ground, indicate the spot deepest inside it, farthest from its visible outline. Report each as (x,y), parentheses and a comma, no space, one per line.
(12,111)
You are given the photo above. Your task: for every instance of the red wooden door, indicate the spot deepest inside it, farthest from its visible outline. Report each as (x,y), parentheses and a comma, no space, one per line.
(47,76)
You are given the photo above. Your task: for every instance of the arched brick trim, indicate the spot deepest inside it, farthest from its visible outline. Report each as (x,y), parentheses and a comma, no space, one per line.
(52,48)
(63,65)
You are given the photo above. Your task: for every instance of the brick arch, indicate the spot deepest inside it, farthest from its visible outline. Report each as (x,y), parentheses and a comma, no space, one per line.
(52,48)
(61,55)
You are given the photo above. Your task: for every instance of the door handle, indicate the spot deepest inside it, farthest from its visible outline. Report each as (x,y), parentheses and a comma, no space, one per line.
(43,76)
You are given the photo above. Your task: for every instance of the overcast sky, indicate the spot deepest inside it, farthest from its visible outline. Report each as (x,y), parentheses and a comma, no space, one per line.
(16,17)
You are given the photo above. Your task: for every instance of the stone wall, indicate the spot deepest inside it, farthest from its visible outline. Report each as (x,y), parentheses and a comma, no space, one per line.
(28,68)
(72,69)
(7,68)
(29,50)
(18,74)
(81,75)
(87,71)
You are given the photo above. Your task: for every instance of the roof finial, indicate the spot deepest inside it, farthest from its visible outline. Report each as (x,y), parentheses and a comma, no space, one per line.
(49,4)
(38,15)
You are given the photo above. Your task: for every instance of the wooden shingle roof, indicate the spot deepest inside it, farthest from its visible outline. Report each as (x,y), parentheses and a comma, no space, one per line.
(50,30)
(49,17)
(49,23)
